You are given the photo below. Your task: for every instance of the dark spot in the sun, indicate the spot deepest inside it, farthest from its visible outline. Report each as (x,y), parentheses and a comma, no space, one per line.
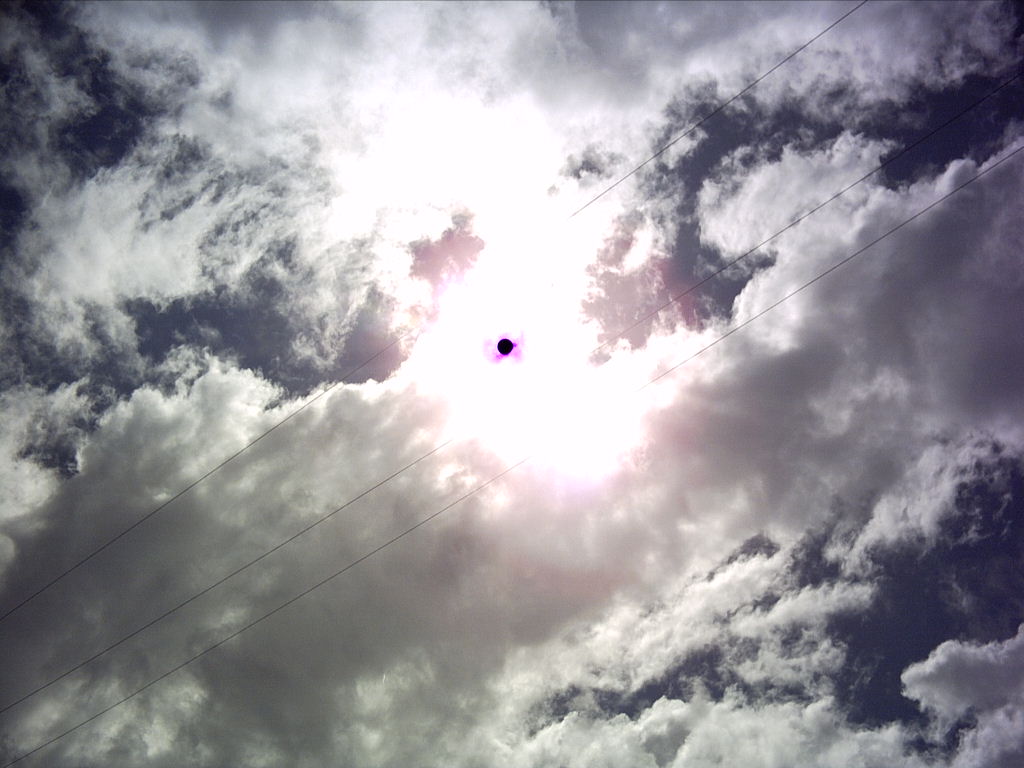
(505,346)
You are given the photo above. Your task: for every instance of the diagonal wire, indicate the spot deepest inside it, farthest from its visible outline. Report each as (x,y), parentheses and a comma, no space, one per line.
(117,537)
(814,210)
(833,268)
(63,574)
(280,607)
(437,448)
(223,579)
(716,110)
(510,468)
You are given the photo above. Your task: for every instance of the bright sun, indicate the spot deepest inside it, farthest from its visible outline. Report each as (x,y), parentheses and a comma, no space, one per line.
(544,399)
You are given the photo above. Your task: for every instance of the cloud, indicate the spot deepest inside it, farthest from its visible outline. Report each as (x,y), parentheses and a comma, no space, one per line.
(957,677)
(219,214)
(36,431)
(890,53)
(984,681)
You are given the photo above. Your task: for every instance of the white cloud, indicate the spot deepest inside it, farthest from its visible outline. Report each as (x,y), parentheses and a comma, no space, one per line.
(30,418)
(889,52)
(748,205)
(957,677)
(985,681)
(701,733)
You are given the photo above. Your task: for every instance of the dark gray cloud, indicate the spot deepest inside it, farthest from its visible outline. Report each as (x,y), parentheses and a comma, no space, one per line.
(591,165)
(227,20)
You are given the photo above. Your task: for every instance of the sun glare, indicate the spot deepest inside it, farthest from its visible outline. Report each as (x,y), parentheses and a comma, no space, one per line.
(543,399)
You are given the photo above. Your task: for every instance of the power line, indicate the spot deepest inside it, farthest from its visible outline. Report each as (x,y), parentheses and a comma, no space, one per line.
(214,585)
(193,484)
(834,267)
(717,109)
(78,564)
(813,210)
(511,467)
(440,446)
(270,613)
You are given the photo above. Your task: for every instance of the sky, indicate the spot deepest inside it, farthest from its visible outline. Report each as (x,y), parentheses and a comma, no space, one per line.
(798,544)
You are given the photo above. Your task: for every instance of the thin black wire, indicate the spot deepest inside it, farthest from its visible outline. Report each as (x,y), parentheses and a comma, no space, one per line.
(437,448)
(718,109)
(220,581)
(813,210)
(833,268)
(59,577)
(192,485)
(508,469)
(270,613)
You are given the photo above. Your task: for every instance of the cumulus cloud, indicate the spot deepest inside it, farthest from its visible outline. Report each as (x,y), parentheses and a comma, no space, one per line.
(957,677)
(219,211)
(983,681)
